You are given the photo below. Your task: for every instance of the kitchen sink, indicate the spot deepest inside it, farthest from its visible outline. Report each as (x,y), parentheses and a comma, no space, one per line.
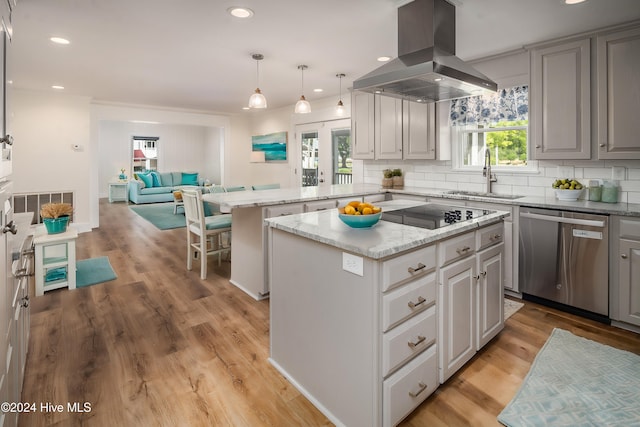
(488,195)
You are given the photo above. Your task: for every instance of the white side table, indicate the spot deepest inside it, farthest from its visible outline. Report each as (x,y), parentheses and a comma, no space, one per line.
(118,191)
(55,259)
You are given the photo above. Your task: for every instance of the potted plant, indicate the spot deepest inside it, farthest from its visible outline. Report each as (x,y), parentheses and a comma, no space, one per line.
(398,180)
(387,181)
(55,217)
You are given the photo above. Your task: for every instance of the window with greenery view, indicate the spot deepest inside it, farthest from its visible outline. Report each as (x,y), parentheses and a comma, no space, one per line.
(497,122)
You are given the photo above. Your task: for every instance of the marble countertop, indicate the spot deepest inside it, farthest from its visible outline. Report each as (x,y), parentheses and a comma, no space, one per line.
(247,199)
(244,199)
(380,241)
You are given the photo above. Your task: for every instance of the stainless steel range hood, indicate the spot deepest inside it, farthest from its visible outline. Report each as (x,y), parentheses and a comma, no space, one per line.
(426,68)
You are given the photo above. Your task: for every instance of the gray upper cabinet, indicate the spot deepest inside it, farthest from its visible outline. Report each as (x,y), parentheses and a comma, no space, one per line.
(618,94)
(419,130)
(388,127)
(560,101)
(362,114)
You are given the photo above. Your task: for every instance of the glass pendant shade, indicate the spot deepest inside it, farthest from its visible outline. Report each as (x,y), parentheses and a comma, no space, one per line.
(257,100)
(340,111)
(302,106)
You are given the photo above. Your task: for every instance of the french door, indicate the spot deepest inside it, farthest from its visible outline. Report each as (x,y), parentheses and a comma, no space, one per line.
(325,149)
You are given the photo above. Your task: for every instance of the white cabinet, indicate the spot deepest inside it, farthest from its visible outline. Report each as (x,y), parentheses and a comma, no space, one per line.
(388,128)
(625,270)
(418,130)
(470,296)
(362,129)
(560,101)
(618,80)
(320,205)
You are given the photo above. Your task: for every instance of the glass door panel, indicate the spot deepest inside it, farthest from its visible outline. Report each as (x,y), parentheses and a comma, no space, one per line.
(309,147)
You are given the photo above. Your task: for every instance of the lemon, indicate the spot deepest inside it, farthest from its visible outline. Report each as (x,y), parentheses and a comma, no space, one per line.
(354,203)
(349,210)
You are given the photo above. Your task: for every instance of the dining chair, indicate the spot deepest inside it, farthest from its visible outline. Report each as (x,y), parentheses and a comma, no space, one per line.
(235,188)
(203,232)
(265,187)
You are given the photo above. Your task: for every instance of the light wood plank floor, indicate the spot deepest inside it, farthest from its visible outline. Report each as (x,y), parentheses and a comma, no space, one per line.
(160,347)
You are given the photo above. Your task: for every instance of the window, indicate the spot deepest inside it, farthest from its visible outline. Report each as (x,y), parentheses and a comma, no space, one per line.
(498,123)
(145,153)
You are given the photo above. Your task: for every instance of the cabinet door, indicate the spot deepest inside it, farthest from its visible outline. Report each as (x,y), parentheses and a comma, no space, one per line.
(457,311)
(629,265)
(362,108)
(490,294)
(388,127)
(618,95)
(418,130)
(560,101)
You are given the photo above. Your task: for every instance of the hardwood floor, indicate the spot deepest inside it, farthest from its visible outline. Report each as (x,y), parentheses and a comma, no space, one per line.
(160,347)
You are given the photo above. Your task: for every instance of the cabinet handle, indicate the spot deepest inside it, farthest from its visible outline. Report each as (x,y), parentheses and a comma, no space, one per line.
(464,250)
(413,270)
(484,274)
(603,145)
(495,237)
(537,146)
(421,387)
(623,256)
(414,344)
(412,304)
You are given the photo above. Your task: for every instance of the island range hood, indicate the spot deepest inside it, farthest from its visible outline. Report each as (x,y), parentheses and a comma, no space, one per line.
(426,68)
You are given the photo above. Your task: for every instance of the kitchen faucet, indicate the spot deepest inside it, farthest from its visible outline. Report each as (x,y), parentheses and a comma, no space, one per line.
(486,171)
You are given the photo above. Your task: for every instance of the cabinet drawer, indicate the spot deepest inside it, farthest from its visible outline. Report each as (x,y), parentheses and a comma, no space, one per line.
(320,205)
(407,340)
(372,198)
(629,229)
(410,386)
(456,248)
(406,267)
(283,210)
(410,299)
(489,236)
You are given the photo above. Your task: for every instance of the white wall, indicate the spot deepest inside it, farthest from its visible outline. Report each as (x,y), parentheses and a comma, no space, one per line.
(45,126)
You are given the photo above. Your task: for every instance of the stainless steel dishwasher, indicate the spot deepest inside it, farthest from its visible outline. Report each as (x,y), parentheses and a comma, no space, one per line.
(564,260)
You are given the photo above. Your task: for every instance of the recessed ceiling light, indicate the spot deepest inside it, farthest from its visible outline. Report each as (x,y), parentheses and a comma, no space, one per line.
(573,1)
(384,58)
(318,90)
(245,108)
(144,122)
(59,40)
(240,12)
(57,87)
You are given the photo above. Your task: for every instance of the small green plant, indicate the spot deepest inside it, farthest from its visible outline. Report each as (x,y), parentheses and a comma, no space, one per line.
(397,172)
(387,173)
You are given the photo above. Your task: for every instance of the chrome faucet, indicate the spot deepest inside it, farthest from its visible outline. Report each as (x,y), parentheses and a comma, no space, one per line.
(486,171)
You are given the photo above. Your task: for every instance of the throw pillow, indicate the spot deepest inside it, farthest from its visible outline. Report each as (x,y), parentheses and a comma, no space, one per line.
(157,182)
(141,183)
(147,179)
(189,178)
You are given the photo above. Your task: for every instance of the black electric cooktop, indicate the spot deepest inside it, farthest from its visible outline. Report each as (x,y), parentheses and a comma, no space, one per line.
(432,216)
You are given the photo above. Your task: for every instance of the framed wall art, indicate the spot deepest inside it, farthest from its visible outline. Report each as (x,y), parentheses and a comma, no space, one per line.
(274,146)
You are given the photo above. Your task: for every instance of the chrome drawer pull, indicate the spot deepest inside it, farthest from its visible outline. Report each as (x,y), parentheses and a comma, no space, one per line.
(413,270)
(412,304)
(419,341)
(463,250)
(495,237)
(623,256)
(422,387)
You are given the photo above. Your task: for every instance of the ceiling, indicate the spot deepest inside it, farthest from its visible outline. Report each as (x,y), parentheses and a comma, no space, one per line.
(191,54)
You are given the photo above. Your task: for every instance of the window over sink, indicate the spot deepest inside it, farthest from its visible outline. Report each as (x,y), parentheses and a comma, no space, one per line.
(498,122)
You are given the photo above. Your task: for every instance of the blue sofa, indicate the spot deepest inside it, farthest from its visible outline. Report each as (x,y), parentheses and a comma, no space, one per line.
(162,186)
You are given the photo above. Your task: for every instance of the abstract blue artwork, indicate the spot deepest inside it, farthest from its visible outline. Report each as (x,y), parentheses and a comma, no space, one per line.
(274,146)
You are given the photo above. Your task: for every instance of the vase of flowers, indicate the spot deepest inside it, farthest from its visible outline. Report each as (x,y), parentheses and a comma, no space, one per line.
(122,176)
(55,217)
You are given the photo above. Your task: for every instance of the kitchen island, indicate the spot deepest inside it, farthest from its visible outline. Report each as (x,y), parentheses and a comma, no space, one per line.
(249,270)
(367,323)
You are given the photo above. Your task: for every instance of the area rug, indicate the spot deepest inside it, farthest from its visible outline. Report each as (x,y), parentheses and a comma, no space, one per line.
(161,215)
(574,381)
(93,271)
(510,307)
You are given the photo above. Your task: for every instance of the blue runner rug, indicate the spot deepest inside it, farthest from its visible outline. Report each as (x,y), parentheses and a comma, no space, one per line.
(93,271)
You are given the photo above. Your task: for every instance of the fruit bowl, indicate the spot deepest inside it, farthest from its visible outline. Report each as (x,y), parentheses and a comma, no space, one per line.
(360,221)
(571,195)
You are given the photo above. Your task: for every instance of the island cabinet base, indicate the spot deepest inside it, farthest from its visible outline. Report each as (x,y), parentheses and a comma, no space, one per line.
(328,337)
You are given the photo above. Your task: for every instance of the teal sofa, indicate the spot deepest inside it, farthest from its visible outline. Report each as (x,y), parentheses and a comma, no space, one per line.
(147,189)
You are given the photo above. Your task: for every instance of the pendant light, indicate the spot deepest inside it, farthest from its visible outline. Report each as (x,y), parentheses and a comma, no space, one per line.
(340,107)
(257,100)
(302,106)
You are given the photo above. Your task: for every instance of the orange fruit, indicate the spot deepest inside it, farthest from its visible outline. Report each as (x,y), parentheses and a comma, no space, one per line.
(367,211)
(354,203)
(376,209)
(349,210)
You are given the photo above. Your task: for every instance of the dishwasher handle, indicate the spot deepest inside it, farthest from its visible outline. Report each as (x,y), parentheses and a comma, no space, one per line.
(575,221)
